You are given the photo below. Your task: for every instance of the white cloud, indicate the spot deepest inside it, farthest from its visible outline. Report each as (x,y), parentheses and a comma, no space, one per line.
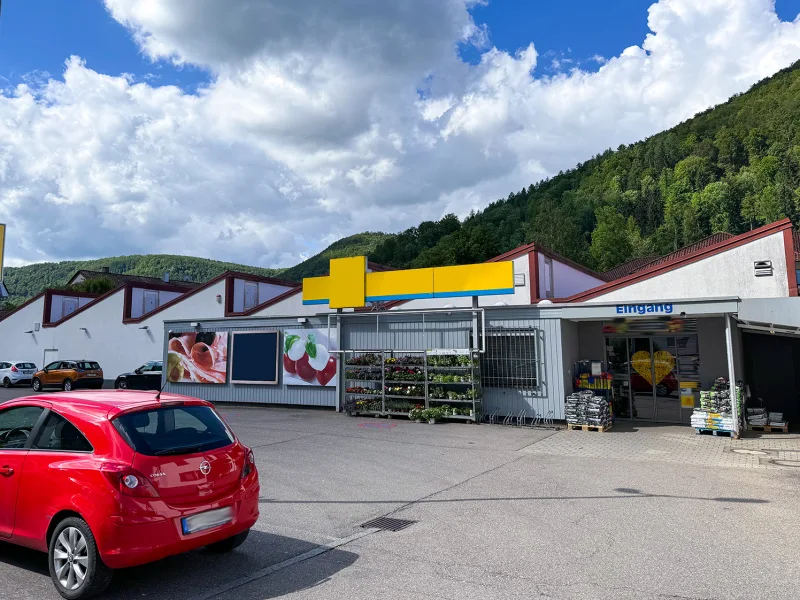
(328,118)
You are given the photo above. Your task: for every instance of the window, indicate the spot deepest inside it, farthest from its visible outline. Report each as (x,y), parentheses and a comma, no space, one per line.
(250,295)
(174,430)
(511,359)
(88,365)
(25,366)
(68,306)
(59,434)
(53,366)
(5,366)
(16,425)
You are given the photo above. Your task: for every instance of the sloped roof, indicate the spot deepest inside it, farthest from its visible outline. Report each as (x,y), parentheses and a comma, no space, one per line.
(122,278)
(628,268)
(713,244)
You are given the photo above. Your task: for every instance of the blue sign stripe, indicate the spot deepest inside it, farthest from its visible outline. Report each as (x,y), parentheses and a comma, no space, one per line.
(473,293)
(398,297)
(324,301)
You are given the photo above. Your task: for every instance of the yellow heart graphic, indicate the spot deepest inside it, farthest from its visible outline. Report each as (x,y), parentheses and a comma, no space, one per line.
(640,361)
(663,362)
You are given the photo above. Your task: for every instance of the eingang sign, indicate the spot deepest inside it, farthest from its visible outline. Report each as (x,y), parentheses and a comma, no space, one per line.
(645,309)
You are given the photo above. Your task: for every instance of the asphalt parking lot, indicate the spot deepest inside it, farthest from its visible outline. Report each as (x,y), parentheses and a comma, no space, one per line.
(498,513)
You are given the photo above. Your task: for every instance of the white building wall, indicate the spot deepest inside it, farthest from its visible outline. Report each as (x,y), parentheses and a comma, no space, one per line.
(15,344)
(293,305)
(117,346)
(567,280)
(728,274)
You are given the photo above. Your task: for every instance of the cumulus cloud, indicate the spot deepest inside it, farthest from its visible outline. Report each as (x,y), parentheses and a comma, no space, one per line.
(327,118)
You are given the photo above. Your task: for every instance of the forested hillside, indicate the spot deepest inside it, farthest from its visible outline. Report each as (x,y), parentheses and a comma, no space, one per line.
(361,244)
(25,282)
(730,168)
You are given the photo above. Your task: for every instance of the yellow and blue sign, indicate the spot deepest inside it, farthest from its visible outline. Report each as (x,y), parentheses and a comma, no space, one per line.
(350,286)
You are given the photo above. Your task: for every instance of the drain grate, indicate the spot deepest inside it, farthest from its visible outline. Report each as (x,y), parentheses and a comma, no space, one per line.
(387,524)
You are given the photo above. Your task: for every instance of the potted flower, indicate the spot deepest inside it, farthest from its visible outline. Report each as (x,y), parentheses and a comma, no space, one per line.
(416,413)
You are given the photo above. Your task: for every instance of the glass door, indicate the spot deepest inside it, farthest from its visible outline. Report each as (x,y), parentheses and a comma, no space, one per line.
(641,368)
(665,380)
(617,361)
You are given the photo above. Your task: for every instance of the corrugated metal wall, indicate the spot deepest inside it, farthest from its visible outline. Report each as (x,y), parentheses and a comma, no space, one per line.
(388,331)
(255,394)
(397,331)
(548,398)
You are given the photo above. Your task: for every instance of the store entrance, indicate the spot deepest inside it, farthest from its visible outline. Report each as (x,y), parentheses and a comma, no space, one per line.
(645,376)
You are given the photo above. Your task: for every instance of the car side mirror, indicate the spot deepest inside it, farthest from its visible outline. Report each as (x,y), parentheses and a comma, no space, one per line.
(45,370)
(138,371)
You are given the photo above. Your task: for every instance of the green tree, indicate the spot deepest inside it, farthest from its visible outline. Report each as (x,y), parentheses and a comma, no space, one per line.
(611,243)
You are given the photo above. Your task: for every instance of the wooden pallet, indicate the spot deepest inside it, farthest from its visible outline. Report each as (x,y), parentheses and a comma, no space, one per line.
(768,428)
(600,428)
(722,432)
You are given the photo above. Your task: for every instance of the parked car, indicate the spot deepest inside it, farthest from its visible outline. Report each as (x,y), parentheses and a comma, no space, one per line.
(69,375)
(13,372)
(114,479)
(146,377)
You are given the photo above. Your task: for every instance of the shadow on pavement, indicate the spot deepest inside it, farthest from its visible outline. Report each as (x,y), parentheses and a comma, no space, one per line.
(199,573)
(622,494)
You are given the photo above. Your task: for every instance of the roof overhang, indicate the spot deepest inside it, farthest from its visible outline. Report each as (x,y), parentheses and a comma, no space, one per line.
(770,315)
(693,307)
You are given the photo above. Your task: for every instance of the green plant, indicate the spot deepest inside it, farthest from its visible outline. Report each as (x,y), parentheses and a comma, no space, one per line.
(416,413)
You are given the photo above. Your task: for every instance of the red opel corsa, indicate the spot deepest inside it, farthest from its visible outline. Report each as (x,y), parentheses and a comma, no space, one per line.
(106,480)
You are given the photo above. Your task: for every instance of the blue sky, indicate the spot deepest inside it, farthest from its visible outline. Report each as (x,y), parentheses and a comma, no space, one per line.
(311,130)
(39,35)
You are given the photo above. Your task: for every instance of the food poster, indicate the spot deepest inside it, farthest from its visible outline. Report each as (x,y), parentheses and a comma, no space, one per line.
(307,358)
(197,357)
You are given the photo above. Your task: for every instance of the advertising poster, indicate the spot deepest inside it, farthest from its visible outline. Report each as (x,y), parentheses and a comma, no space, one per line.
(197,357)
(307,358)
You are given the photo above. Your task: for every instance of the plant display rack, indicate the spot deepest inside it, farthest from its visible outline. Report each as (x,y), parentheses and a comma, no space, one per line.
(424,385)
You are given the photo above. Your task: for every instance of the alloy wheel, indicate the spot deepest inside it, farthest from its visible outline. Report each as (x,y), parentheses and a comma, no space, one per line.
(71,558)
(68,386)
(37,385)
(123,385)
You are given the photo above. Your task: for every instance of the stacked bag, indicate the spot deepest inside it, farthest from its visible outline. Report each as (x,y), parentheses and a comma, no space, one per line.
(757,417)
(715,410)
(584,408)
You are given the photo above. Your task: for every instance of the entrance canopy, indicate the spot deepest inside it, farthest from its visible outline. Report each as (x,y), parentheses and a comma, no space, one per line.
(772,315)
(607,311)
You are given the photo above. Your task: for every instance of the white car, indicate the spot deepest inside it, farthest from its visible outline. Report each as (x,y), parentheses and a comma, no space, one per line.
(13,372)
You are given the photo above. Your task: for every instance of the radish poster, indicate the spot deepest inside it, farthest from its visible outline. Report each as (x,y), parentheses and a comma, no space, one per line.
(307,358)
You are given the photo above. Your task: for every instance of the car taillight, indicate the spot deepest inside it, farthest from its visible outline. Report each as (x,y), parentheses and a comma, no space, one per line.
(14,369)
(249,463)
(129,481)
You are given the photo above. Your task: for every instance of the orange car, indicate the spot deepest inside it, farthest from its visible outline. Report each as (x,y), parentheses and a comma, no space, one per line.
(69,375)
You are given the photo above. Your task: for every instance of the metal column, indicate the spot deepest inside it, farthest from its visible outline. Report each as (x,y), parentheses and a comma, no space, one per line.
(732,373)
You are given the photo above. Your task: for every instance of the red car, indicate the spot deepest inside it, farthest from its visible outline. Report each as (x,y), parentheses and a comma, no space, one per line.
(113,479)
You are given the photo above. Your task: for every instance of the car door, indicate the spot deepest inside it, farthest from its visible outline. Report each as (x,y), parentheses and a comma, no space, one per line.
(152,377)
(54,475)
(16,426)
(51,372)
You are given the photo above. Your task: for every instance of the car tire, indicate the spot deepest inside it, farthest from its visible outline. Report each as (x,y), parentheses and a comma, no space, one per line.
(67,385)
(7,382)
(36,384)
(72,537)
(122,384)
(230,544)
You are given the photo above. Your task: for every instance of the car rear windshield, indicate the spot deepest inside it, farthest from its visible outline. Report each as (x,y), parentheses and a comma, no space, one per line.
(174,430)
(88,365)
(25,366)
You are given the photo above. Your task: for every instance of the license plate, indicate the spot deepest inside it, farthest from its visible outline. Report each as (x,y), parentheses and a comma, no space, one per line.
(92,375)
(28,372)
(207,520)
